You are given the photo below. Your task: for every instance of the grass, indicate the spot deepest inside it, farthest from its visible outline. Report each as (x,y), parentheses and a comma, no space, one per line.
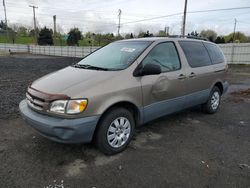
(18,40)
(31,40)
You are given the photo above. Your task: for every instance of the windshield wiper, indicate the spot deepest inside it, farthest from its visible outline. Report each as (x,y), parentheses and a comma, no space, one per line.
(83,66)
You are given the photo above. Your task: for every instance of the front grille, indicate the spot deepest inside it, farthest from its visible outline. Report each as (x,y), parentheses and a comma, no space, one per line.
(35,102)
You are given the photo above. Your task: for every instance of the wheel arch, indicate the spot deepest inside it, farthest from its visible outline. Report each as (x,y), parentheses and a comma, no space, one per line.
(220,86)
(135,110)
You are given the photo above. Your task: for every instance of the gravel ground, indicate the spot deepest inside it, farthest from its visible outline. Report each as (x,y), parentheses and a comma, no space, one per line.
(186,149)
(17,72)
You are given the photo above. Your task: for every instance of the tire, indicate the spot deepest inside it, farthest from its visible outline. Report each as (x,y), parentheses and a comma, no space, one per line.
(213,103)
(115,131)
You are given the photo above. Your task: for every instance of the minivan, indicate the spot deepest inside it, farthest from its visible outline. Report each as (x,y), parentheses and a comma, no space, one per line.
(123,85)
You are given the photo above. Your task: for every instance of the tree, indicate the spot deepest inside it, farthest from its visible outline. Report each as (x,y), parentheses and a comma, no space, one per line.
(248,39)
(108,38)
(141,34)
(74,36)
(45,37)
(161,33)
(3,25)
(98,39)
(32,32)
(22,31)
(219,40)
(211,35)
(129,36)
(12,36)
(118,37)
(88,34)
(238,37)
(145,34)
(194,33)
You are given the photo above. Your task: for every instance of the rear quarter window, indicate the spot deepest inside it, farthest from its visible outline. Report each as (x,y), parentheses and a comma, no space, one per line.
(196,53)
(215,53)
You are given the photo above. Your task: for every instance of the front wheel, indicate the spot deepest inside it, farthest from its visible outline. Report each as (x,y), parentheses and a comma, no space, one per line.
(213,103)
(115,131)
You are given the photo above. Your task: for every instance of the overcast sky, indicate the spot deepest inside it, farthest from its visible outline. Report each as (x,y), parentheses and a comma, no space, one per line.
(102,16)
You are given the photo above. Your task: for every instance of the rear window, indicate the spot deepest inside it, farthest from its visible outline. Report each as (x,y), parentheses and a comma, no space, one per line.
(196,53)
(215,53)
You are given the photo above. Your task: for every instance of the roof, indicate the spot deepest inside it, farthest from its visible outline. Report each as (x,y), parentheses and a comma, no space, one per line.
(174,38)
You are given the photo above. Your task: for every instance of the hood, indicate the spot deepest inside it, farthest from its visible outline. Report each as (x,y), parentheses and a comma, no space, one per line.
(61,82)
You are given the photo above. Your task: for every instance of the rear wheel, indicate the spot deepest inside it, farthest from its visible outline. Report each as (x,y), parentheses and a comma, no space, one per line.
(213,103)
(115,131)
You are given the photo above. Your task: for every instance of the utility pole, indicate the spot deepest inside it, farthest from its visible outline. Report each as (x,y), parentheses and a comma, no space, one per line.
(54,20)
(6,23)
(34,17)
(119,24)
(184,19)
(167,31)
(5,13)
(235,22)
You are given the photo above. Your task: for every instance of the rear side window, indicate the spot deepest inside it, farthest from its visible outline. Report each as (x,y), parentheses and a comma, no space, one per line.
(196,53)
(165,55)
(215,53)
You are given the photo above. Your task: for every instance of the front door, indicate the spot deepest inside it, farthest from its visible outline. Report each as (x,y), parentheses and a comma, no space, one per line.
(163,93)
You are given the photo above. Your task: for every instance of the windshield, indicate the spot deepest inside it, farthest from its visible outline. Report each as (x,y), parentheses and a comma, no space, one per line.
(115,56)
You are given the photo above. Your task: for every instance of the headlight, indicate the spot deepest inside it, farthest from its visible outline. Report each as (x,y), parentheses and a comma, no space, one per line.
(76,106)
(69,106)
(58,106)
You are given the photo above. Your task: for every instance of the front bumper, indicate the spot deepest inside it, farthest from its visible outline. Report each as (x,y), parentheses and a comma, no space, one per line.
(79,130)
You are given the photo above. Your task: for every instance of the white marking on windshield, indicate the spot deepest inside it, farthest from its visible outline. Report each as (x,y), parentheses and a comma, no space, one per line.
(125,49)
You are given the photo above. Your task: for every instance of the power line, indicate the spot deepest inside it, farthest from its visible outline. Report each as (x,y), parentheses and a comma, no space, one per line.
(130,22)
(243,22)
(103,5)
(189,12)
(221,9)
(154,18)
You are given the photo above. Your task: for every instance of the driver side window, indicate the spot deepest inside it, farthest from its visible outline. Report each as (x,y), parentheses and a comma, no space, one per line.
(165,55)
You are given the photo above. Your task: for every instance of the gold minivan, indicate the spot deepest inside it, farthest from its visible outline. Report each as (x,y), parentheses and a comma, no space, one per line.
(125,84)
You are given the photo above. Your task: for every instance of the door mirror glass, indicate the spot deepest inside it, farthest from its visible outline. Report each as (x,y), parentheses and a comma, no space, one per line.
(148,69)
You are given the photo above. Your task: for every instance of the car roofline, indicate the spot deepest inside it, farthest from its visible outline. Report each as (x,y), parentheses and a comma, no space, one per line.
(162,39)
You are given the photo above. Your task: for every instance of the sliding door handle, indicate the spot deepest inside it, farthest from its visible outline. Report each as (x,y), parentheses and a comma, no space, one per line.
(181,77)
(192,75)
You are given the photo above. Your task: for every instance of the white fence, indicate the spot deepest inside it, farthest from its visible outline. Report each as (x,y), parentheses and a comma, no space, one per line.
(21,48)
(67,51)
(235,53)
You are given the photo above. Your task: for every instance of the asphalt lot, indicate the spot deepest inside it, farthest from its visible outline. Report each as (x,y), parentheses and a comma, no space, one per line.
(186,149)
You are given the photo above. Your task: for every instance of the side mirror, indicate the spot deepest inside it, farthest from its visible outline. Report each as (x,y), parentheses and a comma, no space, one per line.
(148,69)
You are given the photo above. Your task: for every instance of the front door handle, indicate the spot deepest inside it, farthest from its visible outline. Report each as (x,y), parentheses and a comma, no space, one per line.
(192,75)
(181,77)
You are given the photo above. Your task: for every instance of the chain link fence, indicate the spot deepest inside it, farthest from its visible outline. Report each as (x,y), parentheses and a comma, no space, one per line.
(235,53)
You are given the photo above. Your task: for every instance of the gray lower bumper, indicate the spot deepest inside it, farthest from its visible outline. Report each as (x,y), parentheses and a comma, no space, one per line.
(79,130)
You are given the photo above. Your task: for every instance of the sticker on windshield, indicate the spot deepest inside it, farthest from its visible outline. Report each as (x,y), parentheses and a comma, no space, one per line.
(125,49)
